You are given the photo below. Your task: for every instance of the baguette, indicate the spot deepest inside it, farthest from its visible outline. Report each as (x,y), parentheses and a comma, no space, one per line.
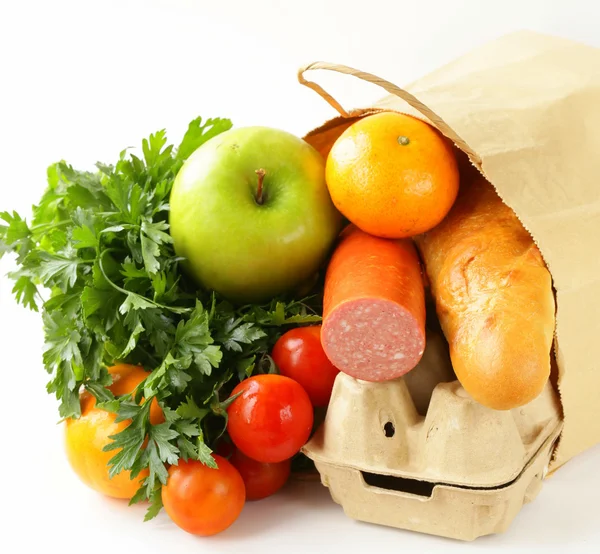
(493,296)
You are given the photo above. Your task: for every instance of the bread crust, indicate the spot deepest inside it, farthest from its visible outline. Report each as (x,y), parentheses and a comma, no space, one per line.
(493,296)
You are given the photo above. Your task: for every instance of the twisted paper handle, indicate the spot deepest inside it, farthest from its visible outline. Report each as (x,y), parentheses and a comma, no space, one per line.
(443,127)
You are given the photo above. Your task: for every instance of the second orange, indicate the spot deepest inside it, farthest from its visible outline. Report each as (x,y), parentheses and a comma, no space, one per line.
(392,175)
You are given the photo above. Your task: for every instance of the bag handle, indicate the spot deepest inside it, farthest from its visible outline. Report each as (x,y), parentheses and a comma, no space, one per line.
(443,127)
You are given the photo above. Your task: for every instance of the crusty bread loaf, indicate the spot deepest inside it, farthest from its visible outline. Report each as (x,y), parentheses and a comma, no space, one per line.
(493,297)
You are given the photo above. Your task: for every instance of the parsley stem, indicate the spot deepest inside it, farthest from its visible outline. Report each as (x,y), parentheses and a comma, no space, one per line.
(47,226)
(127,292)
(303,304)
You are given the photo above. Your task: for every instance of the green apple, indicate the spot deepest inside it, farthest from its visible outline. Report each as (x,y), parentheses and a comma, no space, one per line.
(251,213)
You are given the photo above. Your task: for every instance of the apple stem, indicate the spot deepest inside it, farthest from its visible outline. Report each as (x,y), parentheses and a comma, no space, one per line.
(259,189)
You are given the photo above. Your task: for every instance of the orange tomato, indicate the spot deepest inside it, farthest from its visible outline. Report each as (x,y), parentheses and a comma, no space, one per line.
(392,175)
(201,500)
(86,436)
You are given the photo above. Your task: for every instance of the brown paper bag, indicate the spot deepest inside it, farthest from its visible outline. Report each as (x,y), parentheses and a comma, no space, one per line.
(525,109)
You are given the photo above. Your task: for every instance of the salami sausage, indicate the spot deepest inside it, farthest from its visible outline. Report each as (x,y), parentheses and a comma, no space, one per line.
(373,307)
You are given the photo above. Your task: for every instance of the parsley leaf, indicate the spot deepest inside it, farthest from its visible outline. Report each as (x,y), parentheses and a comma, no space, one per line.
(57,269)
(197,134)
(205,454)
(189,409)
(156,504)
(15,236)
(162,434)
(26,291)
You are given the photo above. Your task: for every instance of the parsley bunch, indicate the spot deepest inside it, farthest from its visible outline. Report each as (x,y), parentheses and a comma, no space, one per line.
(98,261)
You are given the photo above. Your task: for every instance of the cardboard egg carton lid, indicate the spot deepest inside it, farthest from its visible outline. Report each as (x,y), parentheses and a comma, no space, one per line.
(375,428)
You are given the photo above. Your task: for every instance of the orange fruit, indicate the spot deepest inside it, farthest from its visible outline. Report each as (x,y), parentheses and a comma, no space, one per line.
(323,140)
(392,175)
(86,436)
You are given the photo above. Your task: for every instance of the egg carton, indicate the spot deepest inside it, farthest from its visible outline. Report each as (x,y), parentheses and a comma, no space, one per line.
(460,471)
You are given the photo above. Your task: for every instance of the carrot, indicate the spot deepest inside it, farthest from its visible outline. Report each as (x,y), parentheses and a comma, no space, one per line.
(373,307)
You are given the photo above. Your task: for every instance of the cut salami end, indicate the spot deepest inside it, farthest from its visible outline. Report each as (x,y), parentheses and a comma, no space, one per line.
(373,339)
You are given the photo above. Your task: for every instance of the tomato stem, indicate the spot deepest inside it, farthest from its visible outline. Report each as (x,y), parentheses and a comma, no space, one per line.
(259,188)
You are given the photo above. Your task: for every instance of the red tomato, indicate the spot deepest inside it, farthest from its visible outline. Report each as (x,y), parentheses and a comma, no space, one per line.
(300,356)
(201,500)
(261,479)
(272,418)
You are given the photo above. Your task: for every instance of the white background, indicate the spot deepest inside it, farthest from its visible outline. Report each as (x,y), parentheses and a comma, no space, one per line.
(81,80)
